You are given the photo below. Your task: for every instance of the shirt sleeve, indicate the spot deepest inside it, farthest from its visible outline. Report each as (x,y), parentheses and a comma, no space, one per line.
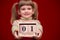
(14,26)
(39,26)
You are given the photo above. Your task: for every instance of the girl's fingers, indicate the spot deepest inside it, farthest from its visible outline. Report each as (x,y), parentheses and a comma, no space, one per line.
(16,36)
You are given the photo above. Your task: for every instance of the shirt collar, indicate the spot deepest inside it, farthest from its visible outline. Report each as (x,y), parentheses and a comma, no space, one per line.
(22,18)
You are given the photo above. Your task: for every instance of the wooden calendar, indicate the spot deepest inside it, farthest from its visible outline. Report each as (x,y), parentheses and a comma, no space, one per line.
(27,29)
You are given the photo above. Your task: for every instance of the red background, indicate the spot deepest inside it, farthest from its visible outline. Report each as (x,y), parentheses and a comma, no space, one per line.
(48,15)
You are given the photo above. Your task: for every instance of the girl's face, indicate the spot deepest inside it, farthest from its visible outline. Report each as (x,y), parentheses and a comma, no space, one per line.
(26,11)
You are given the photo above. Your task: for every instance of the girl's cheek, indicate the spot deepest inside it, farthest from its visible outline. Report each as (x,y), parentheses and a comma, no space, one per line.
(22,12)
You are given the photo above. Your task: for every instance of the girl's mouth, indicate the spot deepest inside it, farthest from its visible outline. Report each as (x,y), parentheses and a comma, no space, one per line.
(26,14)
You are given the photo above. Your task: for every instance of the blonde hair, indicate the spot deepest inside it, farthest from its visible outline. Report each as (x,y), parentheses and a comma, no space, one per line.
(14,15)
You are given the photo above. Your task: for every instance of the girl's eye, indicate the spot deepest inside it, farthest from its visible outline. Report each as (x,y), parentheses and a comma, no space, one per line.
(29,8)
(26,8)
(23,9)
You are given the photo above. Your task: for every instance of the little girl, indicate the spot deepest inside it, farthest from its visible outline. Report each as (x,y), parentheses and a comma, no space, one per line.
(27,11)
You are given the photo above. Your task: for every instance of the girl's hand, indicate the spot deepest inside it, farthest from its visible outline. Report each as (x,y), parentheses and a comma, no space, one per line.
(16,36)
(38,34)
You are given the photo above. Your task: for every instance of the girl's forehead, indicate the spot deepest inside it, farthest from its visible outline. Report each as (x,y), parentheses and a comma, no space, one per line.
(26,6)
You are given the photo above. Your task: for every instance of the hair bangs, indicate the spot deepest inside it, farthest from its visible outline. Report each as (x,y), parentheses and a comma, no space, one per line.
(21,3)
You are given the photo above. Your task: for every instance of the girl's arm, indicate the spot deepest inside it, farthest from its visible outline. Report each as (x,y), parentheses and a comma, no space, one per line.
(15,29)
(40,30)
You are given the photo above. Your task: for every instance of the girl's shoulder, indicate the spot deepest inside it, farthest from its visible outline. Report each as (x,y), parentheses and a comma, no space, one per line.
(15,22)
(36,20)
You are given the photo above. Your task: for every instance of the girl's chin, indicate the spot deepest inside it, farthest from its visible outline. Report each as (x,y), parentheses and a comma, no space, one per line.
(26,17)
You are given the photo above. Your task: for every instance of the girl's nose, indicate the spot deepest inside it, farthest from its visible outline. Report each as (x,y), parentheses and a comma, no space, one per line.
(26,10)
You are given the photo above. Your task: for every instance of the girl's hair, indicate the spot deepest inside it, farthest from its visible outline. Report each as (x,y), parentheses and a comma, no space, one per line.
(14,15)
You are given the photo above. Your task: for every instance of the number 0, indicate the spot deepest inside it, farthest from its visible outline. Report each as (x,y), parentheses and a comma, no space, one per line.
(23,28)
